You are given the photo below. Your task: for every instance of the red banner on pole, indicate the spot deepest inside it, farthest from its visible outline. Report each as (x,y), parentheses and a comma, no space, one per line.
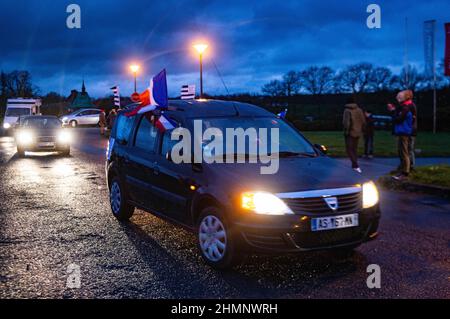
(447,50)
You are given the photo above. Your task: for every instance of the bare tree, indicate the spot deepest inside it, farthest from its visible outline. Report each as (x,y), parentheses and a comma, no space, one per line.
(409,79)
(356,78)
(381,78)
(18,84)
(317,80)
(273,88)
(291,83)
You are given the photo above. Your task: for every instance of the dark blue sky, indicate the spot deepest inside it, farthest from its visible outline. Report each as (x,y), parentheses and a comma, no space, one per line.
(251,42)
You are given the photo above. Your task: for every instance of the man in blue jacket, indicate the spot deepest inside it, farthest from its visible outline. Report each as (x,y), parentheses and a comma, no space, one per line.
(403,128)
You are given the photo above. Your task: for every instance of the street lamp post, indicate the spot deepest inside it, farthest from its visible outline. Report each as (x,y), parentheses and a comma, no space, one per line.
(134,68)
(201,47)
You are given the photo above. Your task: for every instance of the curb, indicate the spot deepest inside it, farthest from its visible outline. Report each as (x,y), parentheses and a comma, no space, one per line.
(389,183)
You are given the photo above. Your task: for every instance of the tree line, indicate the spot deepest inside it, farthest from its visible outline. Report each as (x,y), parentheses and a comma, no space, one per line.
(356,78)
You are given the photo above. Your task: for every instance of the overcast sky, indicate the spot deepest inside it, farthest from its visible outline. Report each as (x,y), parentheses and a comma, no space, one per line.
(251,42)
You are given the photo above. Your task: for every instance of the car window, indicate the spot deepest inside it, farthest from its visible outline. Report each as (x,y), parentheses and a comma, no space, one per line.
(168,143)
(83,113)
(17,111)
(146,136)
(122,127)
(41,122)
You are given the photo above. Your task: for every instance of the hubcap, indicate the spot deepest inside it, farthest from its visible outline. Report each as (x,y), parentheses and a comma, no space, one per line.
(74,124)
(213,238)
(115,198)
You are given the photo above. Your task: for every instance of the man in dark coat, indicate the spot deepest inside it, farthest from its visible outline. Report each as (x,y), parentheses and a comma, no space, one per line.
(353,122)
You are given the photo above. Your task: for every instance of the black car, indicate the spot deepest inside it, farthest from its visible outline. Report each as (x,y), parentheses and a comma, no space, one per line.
(37,133)
(311,203)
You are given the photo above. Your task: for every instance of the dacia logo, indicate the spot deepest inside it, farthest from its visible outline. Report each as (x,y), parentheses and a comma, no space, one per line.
(332,202)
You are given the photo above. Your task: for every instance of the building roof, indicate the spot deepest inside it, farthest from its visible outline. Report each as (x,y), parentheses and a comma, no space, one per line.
(81,99)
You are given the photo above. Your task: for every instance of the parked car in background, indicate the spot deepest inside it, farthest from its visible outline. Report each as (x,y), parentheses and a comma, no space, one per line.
(18,107)
(42,133)
(81,117)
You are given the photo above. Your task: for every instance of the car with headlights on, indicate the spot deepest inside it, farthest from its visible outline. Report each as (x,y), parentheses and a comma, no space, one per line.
(82,117)
(311,202)
(42,134)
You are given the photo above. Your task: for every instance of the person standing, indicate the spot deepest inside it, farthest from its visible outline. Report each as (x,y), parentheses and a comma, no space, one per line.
(412,139)
(369,132)
(112,118)
(102,122)
(403,128)
(354,122)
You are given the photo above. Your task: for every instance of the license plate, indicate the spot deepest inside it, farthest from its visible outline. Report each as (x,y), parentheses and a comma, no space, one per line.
(334,222)
(46,144)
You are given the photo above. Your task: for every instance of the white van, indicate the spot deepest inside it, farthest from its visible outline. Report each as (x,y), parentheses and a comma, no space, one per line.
(19,107)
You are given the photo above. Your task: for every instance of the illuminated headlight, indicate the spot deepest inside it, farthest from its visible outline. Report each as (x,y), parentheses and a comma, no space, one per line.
(264,203)
(64,119)
(25,137)
(6,126)
(64,137)
(370,195)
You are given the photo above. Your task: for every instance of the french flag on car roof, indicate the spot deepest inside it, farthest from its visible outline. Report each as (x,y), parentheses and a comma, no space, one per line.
(164,123)
(155,97)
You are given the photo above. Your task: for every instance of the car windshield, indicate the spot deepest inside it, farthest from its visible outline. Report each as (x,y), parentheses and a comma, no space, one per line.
(290,143)
(41,122)
(17,111)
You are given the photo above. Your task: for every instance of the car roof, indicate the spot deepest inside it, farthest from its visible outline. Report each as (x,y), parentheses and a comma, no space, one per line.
(214,108)
(39,116)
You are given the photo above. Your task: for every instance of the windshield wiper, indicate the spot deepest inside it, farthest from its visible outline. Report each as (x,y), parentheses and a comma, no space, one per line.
(285,154)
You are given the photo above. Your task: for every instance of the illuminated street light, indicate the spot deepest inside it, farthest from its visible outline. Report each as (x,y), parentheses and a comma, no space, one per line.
(134,68)
(200,48)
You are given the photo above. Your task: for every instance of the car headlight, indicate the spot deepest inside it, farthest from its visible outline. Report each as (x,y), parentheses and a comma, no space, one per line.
(264,203)
(64,119)
(25,137)
(6,126)
(370,195)
(64,137)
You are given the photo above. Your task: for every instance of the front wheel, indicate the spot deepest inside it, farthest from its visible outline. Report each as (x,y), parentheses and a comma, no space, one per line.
(217,240)
(20,152)
(73,124)
(118,200)
(66,152)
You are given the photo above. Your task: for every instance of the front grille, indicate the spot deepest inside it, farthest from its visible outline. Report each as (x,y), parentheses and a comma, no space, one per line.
(275,241)
(328,237)
(44,139)
(317,205)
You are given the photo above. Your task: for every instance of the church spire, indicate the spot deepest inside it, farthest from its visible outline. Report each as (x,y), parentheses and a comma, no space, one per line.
(83,88)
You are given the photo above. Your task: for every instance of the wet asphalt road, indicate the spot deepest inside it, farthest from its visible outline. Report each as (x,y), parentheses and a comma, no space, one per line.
(54,212)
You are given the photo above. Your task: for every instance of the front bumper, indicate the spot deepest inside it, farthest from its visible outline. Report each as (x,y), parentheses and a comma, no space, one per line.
(292,233)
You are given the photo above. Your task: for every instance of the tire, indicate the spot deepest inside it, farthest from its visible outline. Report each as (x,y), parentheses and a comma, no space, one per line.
(20,152)
(73,124)
(118,200)
(65,152)
(212,229)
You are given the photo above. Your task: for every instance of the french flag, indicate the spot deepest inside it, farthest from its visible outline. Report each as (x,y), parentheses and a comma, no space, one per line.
(155,97)
(163,123)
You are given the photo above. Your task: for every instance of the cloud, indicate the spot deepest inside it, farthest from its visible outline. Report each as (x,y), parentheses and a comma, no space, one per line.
(251,42)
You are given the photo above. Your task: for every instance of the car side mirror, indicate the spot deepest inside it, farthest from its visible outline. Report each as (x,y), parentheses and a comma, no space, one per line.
(321,148)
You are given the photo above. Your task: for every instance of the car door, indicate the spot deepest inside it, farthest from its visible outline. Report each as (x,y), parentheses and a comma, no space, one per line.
(93,117)
(81,118)
(139,165)
(173,182)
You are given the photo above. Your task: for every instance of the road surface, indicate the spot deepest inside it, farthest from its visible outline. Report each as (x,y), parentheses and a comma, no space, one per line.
(54,212)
